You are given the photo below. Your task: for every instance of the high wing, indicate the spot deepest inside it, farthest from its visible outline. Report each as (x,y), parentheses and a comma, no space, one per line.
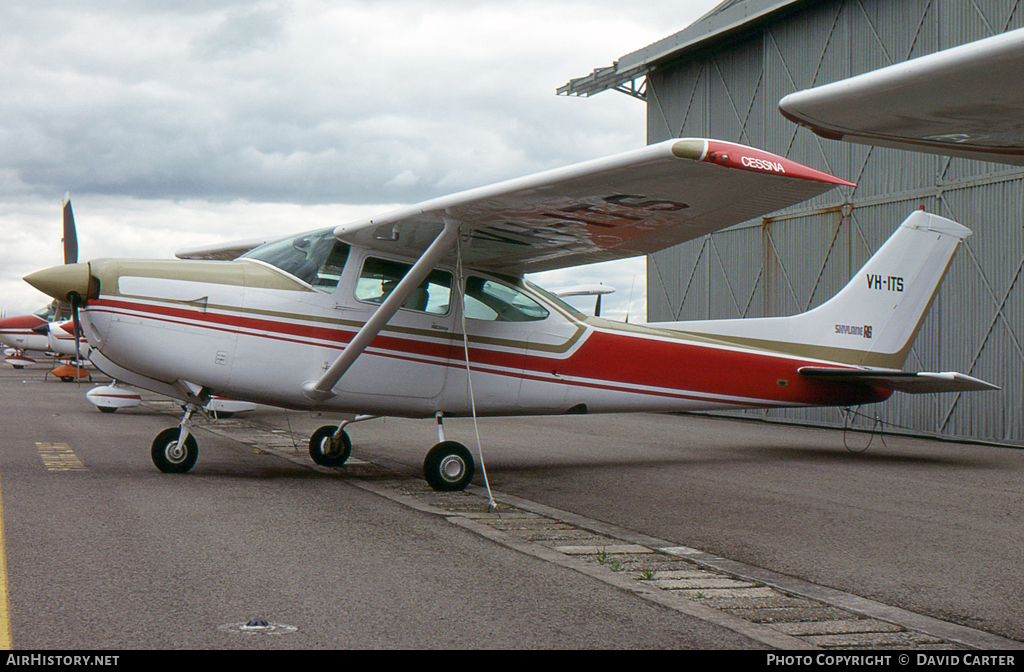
(902,381)
(621,206)
(965,102)
(221,251)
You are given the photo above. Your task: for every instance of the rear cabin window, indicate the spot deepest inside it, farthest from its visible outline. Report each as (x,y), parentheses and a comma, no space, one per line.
(317,258)
(379,278)
(497,302)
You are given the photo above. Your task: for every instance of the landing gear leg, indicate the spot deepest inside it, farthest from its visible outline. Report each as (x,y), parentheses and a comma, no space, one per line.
(175,450)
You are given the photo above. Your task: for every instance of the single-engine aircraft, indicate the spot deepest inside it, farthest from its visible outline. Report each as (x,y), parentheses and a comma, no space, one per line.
(424,312)
(19,334)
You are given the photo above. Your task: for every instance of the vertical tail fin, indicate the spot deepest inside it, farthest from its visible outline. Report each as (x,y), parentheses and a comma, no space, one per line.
(873,320)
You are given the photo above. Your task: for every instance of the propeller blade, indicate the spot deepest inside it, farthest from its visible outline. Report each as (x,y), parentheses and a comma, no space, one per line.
(597,307)
(70,235)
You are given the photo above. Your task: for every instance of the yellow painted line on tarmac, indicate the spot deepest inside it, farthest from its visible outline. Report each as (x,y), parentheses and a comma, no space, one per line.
(5,603)
(59,457)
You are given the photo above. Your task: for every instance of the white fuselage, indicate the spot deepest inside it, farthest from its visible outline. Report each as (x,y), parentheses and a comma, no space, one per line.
(247,330)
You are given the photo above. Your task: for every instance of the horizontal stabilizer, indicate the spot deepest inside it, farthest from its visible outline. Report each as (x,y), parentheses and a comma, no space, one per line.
(922,382)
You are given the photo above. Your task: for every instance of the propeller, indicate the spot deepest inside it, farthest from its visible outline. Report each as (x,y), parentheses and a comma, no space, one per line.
(70,238)
(70,241)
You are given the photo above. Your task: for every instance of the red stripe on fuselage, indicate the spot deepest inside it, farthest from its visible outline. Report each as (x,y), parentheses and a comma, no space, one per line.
(731,372)
(279,330)
(603,360)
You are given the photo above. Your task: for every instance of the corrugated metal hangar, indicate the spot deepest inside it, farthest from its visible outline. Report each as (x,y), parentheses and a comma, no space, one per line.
(723,78)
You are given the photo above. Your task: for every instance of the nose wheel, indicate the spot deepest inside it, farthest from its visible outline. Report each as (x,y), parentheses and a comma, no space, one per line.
(171,455)
(448,467)
(175,450)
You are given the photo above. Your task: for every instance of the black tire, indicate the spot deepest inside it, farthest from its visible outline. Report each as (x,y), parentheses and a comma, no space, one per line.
(166,455)
(448,467)
(107,409)
(320,447)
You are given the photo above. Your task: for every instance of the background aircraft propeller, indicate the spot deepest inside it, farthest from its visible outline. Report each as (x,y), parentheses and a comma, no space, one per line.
(70,241)
(70,238)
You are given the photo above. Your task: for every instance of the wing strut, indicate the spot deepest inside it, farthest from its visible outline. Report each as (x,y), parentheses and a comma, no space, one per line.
(321,390)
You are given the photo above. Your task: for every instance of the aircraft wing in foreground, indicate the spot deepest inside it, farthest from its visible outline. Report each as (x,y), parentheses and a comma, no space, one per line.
(965,101)
(406,313)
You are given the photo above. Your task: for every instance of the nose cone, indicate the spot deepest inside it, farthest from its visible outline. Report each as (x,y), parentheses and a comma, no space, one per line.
(60,281)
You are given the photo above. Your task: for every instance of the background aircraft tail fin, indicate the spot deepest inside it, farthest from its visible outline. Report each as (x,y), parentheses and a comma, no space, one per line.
(874,319)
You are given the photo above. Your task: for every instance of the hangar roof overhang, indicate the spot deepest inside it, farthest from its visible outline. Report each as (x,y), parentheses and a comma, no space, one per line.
(624,74)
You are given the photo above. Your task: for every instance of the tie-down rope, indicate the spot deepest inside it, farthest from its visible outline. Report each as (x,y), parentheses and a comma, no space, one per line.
(469,380)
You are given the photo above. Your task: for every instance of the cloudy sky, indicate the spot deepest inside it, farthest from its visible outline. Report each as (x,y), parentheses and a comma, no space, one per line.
(175,123)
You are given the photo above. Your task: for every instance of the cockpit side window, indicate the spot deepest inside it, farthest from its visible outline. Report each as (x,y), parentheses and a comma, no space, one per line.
(379,278)
(317,258)
(497,302)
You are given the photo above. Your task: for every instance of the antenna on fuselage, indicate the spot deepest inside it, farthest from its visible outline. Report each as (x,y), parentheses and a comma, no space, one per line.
(629,302)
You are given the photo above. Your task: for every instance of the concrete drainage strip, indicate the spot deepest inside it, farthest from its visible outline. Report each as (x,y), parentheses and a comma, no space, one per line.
(777,610)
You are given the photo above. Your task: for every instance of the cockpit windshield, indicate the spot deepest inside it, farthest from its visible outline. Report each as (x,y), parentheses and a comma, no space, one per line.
(317,258)
(47,313)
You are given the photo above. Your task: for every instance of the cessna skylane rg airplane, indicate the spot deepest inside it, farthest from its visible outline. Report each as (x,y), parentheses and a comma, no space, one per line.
(424,312)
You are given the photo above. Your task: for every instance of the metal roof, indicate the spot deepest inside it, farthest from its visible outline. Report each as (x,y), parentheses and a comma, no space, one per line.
(622,75)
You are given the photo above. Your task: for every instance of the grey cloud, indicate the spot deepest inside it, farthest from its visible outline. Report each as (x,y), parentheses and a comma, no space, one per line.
(307,103)
(177,122)
(244,29)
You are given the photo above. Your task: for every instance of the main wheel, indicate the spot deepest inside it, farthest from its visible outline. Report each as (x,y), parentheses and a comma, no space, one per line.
(169,456)
(448,467)
(323,453)
(107,409)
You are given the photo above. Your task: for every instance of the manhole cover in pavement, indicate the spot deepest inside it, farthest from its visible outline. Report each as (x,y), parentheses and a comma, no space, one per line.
(258,626)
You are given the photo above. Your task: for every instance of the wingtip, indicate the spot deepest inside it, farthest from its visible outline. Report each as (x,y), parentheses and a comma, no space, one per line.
(743,157)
